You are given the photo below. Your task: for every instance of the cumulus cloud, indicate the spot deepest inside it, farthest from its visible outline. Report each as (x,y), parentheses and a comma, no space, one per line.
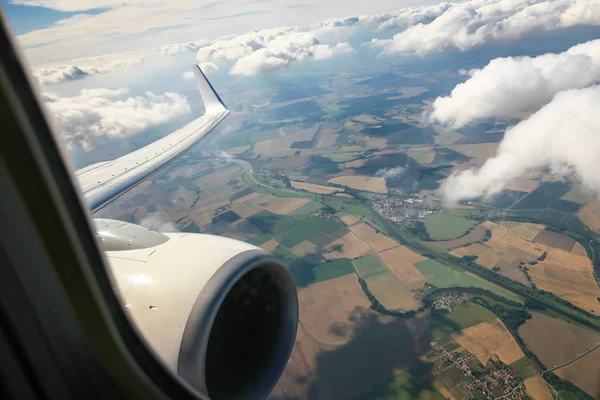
(207,68)
(157,222)
(96,113)
(390,173)
(188,75)
(563,136)
(508,86)
(268,50)
(179,48)
(466,25)
(54,74)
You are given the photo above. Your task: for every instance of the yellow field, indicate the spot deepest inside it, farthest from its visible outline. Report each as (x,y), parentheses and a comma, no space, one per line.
(269,245)
(279,205)
(378,241)
(305,248)
(478,153)
(526,230)
(590,214)
(246,198)
(579,249)
(217,178)
(238,150)
(314,188)
(475,249)
(361,182)
(537,389)
(349,219)
(365,118)
(245,210)
(391,293)
(523,185)
(489,338)
(348,246)
(569,276)
(400,261)
(489,225)
(283,143)
(356,163)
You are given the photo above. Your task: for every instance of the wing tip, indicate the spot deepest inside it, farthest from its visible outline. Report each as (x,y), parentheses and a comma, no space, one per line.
(210,97)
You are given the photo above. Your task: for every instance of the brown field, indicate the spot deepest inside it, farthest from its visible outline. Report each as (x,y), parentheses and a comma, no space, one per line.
(343,195)
(379,143)
(279,205)
(349,219)
(476,249)
(590,214)
(523,185)
(526,230)
(377,241)
(537,389)
(556,240)
(479,153)
(245,210)
(585,373)
(361,182)
(423,155)
(366,118)
(217,178)
(541,333)
(269,245)
(489,225)
(246,198)
(569,276)
(322,372)
(511,270)
(489,259)
(314,188)
(391,293)
(579,249)
(304,248)
(400,261)
(238,150)
(475,235)
(283,143)
(356,163)
(489,338)
(348,246)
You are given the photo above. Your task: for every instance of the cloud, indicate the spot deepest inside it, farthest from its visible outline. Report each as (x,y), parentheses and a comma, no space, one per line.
(268,50)
(563,136)
(157,222)
(54,74)
(179,48)
(466,25)
(509,86)
(390,173)
(188,75)
(97,113)
(207,68)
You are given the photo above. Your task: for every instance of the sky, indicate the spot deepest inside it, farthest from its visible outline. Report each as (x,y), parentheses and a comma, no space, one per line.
(108,68)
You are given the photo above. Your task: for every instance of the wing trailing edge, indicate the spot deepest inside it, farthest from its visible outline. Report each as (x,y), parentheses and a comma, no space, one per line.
(104,182)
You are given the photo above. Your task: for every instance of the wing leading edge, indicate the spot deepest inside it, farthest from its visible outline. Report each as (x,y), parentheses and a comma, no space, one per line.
(103,182)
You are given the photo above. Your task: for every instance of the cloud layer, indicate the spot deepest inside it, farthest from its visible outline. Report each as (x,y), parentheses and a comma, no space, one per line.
(563,136)
(509,86)
(466,25)
(54,74)
(98,113)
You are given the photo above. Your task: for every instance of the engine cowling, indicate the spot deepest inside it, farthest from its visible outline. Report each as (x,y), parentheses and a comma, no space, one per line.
(220,312)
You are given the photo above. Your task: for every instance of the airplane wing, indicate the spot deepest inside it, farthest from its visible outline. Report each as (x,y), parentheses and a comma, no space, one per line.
(103,182)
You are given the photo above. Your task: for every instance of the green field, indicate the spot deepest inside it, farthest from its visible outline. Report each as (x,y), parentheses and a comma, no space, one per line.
(524,368)
(441,226)
(441,276)
(271,223)
(406,386)
(443,325)
(259,239)
(228,216)
(308,208)
(306,229)
(369,266)
(544,196)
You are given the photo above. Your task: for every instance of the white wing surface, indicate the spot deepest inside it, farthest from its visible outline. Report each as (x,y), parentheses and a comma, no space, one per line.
(103,182)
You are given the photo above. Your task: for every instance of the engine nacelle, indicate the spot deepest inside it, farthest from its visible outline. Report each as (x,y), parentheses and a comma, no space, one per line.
(220,312)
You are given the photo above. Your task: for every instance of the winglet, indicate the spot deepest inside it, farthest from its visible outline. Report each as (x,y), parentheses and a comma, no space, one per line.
(212,101)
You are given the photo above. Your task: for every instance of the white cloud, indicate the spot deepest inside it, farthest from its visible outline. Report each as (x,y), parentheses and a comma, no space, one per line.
(188,75)
(97,113)
(470,24)
(209,67)
(390,173)
(509,86)
(158,222)
(53,74)
(179,48)
(268,50)
(563,136)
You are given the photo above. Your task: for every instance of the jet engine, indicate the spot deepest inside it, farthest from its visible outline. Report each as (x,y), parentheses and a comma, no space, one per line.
(221,313)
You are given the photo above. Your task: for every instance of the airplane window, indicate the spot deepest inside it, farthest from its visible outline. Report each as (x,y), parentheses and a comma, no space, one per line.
(317,200)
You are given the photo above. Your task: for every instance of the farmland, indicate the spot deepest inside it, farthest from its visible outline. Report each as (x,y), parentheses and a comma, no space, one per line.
(443,226)
(489,338)
(585,373)
(367,183)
